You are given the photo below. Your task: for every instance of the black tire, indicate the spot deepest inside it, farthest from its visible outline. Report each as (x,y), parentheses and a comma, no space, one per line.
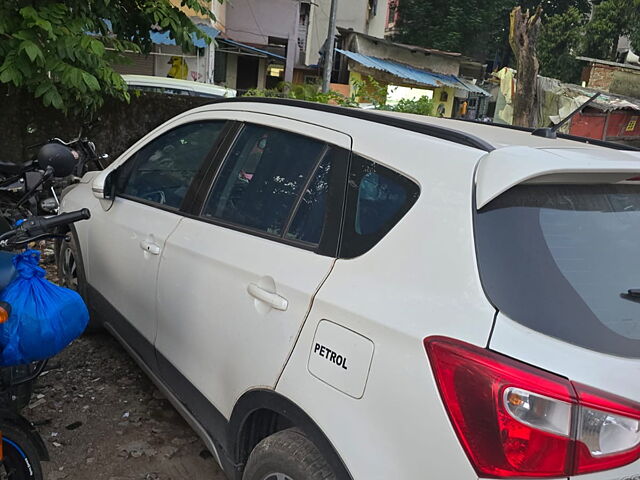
(16,397)
(71,274)
(287,455)
(21,460)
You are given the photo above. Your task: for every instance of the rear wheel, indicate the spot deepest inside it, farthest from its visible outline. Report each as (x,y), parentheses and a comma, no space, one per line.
(21,460)
(71,273)
(287,455)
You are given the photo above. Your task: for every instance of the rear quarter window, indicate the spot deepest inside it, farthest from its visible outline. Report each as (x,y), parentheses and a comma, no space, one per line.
(377,199)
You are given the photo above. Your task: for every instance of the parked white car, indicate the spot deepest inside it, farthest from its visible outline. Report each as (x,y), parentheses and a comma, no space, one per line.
(176,86)
(343,294)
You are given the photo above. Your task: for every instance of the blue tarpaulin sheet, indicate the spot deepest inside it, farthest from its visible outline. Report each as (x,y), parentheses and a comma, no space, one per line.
(164,38)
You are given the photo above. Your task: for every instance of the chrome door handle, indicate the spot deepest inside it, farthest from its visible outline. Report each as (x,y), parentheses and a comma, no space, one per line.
(270,298)
(152,248)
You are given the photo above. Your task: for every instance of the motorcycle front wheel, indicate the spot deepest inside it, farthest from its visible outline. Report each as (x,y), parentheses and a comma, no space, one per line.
(20,457)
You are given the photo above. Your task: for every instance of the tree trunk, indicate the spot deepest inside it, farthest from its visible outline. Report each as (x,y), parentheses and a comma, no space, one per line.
(523,35)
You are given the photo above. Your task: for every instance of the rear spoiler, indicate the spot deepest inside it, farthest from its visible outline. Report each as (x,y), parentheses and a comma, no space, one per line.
(507,167)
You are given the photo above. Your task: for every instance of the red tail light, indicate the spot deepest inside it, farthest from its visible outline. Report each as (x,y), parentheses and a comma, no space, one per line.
(514,420)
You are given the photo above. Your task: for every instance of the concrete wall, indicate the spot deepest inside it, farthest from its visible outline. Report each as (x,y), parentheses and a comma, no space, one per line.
(448,103)
(417,58)
(626,83)
(232,71)
(197,65)
(254,21)
(352,14)
(116,126)
(614,79)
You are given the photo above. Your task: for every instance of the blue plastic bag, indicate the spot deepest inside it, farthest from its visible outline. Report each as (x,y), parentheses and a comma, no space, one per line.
(44,318)
(7,269)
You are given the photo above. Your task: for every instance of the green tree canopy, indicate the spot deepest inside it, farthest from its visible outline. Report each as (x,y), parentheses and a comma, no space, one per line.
(610,20)
(478,28)
(63,52)
(593,34)
(559,43)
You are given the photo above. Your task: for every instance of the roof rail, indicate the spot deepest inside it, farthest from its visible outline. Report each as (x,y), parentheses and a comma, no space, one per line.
(565,136)
(443,133)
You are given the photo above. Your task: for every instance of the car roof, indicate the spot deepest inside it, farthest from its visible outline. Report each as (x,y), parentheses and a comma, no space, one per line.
(496,135)
(482,136)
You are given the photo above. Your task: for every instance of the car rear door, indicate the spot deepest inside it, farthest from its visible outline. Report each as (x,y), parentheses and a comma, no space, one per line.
(127,237)
(558,258)
(238,276)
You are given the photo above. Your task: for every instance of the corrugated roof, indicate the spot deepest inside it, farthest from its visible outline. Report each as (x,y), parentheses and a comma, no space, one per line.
(611,64)
(415,75)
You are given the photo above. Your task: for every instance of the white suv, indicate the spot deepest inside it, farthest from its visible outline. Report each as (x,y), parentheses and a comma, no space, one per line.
(345,294)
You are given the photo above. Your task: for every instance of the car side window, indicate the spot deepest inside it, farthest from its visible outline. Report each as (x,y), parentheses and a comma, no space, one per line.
(262,178)
(377,198)
(162,171)
(309,219)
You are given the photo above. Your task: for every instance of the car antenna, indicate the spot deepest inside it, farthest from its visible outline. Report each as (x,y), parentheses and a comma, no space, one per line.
(550,132)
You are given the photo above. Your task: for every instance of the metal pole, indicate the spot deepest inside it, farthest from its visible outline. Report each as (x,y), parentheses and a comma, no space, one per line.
(329,47)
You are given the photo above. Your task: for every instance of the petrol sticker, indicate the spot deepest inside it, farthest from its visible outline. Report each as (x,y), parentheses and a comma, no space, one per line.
(330,355)
(341,358)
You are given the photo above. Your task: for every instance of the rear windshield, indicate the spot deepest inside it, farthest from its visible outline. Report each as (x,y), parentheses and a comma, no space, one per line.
(561,259)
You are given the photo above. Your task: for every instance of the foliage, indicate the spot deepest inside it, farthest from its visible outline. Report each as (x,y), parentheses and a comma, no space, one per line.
(47,50)
(559,44)
(610,20)
(479,28)
(368,90)
(298,91)
(420,106)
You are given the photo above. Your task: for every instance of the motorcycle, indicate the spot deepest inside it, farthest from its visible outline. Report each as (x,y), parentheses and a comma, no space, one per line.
(21,448)
(34,187)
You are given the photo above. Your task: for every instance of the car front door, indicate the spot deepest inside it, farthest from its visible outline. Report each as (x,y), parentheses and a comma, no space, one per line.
(128,237)
(238,277)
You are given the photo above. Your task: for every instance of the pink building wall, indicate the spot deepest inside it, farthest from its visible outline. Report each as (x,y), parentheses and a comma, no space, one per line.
(254,21)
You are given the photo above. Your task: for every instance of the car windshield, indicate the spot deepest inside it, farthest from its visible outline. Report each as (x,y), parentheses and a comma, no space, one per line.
(561,259)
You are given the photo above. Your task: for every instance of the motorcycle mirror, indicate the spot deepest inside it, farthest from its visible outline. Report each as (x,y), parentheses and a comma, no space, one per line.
(58,157)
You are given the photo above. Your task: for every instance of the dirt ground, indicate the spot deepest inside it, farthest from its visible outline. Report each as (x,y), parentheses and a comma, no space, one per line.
(102,418)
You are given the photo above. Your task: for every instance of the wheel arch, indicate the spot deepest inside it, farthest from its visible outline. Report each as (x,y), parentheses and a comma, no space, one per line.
(261,412)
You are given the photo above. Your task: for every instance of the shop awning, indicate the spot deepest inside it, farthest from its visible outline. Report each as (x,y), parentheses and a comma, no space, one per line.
(414,75)
(237,47)
(164,37)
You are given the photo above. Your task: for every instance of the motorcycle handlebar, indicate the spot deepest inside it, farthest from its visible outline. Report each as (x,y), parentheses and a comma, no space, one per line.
(64,219)
(42,226)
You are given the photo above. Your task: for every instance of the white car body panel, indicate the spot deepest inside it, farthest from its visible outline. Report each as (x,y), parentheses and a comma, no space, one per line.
(234,342)
(127,276)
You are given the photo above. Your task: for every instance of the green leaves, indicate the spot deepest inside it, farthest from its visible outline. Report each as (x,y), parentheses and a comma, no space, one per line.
(31,49)
(62,51)
(90,81)
(559,44)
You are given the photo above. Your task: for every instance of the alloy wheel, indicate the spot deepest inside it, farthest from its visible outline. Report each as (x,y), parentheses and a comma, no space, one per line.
(69,274)
(277,476)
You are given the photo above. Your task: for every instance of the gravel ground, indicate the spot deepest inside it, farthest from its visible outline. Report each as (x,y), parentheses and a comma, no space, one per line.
(102,418)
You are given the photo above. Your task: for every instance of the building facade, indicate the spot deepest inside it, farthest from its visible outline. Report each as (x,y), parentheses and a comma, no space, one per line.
(620,78)
(364,16)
